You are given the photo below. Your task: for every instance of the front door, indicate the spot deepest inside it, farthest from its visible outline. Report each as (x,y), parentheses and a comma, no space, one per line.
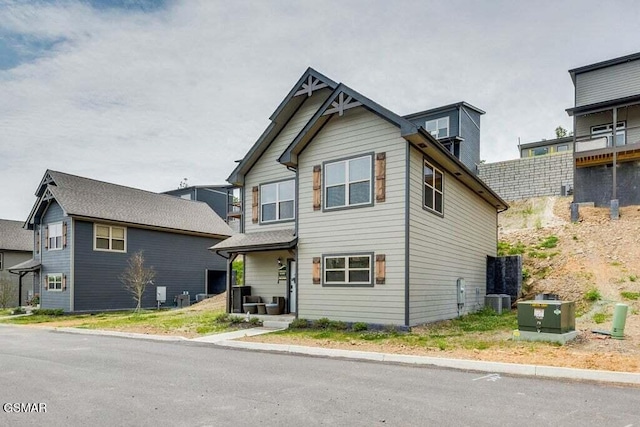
(293,286)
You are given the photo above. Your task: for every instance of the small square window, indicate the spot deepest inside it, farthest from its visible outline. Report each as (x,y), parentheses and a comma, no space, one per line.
(110,238)
(347,182)
(277,201)
(439,128)
(348,269)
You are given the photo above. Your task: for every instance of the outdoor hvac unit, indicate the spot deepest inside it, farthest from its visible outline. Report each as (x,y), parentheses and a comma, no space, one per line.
(498,303)
(555,317)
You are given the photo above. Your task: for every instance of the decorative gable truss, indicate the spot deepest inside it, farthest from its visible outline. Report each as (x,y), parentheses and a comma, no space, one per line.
(341,103)
(310,85)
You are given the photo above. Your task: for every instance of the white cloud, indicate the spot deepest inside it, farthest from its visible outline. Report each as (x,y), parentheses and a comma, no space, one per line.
(145,99)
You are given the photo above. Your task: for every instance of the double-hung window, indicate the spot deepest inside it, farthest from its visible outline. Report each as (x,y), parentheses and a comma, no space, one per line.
(109,238)
(55,236)
(277,201)
(54,282)
(347,269)
(433,188)
(347,182)
(606,131)
(439,128)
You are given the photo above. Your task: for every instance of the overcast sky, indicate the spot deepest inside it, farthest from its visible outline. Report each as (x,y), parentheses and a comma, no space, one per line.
(146,93)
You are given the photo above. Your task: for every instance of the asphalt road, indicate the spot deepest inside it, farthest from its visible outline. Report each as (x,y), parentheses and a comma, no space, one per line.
(88,380)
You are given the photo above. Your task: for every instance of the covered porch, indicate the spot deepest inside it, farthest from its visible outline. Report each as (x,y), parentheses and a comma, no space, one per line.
(269,287)
(22,270)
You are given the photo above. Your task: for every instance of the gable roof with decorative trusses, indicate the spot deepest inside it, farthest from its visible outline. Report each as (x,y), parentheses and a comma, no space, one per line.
(310,82)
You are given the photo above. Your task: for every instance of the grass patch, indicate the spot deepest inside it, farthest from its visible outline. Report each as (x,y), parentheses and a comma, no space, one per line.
(5,311)
(615,263)
(601,317)
(593,295)
(478,331)
(182,322)
(549,242)
(506,248)
(632,296)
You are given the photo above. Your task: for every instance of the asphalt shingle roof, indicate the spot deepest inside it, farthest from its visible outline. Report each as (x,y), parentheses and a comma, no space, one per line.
(89,198)
(257,241)
(15,238)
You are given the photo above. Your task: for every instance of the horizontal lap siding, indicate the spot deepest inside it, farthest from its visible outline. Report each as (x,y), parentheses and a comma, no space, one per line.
(378,229)
(56,261)
(261,273)
(608,83)
(630,115)
(442,249)
(268,169)
(179,261)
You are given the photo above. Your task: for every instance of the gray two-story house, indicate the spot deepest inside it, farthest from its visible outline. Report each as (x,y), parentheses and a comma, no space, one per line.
(607,103)
(220,198)
(85,231)
(355,213)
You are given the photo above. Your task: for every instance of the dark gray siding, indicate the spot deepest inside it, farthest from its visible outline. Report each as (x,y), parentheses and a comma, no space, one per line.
(179,261)
(453,120)
(594,184)
(56,261)
(216,199)
(470,131)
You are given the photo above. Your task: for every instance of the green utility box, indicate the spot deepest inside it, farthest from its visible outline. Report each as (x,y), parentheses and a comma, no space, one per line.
(555,317)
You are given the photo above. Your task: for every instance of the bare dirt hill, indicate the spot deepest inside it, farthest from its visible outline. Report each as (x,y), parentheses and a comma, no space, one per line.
(595,262)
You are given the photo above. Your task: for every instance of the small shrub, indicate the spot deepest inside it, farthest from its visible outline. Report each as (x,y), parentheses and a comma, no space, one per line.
(222,318)
(633,278)
(235,320)
(338,325)
(538,224)
(526,274)
(599,318)
(633,296)
(299,324)
(255,321)
(615,263)
(18,310)
(549,243)
(360,326)
(574,237)
(592,295)
(322,323)
(48,311)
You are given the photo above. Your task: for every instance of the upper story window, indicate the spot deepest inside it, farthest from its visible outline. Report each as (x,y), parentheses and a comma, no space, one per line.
(433,188)
(606,131)
(54,236)
(561,148)
(439,128)
(277,201)
(348,182)
(109,238)
(540,151)
(186,196)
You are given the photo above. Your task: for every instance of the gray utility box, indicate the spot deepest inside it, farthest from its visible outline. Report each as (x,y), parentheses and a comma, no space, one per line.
(555,317)
(498,303)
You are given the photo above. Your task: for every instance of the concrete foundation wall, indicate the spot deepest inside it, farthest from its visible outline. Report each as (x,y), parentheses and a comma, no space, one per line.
(529,177)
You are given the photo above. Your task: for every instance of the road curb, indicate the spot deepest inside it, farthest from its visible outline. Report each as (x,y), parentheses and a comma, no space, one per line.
(119,334)
(462,364)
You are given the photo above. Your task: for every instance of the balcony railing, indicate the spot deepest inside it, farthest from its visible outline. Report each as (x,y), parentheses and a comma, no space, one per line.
(592,150)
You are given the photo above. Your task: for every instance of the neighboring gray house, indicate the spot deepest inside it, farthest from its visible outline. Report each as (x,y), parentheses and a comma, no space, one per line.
(457,127)
(354,213)
(16,246)
(607,103)
(546,146)
(220,198)
(85,232)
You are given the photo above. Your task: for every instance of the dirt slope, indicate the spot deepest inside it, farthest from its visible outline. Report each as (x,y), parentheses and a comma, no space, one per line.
(596,256)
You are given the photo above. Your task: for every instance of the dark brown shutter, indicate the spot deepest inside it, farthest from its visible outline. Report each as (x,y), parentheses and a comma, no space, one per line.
(316,270)
(317,187)
(254,205)
(46,237)
(380,269)
(46,282)
(64,281)
(37,246)
(381,166)
(64,234)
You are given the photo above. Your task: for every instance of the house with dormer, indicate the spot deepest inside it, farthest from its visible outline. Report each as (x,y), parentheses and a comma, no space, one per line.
(85,231)
(353,212)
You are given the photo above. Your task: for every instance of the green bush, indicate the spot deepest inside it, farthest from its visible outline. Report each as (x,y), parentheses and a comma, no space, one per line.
(48,311)
(549,242)
(322,323)
(360,326)
(526,274)
(599,318)
(338,325)
(630,295)
(592,295)
(18,310)
(299,324)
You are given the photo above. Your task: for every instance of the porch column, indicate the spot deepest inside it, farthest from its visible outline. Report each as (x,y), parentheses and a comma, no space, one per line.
(615,152)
